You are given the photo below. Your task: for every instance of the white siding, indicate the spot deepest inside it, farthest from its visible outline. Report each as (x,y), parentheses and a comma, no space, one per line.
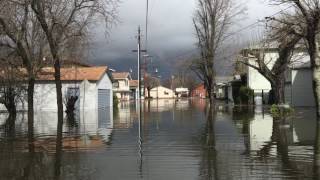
(256,81)
(45,95)
(162,93)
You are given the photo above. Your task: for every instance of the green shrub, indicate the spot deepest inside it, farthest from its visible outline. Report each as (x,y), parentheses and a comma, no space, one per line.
(279,111)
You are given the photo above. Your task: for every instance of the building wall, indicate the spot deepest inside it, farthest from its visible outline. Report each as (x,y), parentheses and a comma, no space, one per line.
(123,85)
(123,90)
(256,81)
(199,92)
(302,92)
(162,93)
(45,95)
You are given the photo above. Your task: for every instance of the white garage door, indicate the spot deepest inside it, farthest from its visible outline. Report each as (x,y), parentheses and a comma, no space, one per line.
(104,96)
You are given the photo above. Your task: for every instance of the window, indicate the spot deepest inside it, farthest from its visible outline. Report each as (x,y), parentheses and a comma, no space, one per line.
(73,91)
(166,93)
(116,84)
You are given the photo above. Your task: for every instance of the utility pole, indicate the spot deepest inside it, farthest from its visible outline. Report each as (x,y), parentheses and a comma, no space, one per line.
(139,59)
(139,56)
(147,19)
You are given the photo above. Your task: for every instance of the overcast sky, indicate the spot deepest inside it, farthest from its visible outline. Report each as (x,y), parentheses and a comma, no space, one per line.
(171,33)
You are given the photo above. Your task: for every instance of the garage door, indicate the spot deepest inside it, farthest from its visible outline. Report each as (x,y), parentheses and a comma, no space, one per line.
(104,96)
(104,108)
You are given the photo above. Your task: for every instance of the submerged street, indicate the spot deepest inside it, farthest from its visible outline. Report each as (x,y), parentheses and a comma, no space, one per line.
(173,139)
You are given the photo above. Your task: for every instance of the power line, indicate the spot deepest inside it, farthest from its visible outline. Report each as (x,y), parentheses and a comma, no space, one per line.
(233,33)
(259,21)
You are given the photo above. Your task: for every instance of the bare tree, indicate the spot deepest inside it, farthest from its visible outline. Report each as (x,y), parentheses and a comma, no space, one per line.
(306,23)
(64,19)
(273,71)
(183,77)
(151,82)
(21,36)
(11,88)
(212,21)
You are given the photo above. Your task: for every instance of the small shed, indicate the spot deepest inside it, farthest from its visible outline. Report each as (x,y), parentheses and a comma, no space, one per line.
(91,85)
(161,92)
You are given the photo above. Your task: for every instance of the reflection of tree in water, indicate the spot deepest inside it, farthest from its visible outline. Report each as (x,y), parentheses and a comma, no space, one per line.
(244,115)
(280,139)
(17,163)
(9,126)
(208,164)
(316,161)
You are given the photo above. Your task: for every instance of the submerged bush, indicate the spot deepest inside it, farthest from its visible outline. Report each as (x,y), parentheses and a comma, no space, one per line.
(280,110)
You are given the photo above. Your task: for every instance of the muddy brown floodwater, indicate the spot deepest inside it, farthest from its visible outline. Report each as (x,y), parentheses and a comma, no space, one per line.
(166,140)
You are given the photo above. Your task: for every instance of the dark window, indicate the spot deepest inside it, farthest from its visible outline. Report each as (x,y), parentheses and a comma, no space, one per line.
(116,84)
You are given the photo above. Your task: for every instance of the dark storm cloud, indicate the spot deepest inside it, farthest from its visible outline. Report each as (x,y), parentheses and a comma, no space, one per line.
(171,32)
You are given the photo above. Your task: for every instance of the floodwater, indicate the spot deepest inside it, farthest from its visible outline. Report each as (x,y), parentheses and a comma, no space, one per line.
(166,140)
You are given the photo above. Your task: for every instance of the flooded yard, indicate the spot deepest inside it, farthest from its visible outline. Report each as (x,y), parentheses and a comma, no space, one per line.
(167,139)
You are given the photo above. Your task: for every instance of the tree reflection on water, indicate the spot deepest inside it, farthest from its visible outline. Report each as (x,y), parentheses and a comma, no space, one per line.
(209,166)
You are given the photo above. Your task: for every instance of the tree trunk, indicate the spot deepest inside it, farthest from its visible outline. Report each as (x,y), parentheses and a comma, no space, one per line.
(316,79)
(149,92)
(10,102)
(315,63)
(30,110)
(278,89)
(60,112)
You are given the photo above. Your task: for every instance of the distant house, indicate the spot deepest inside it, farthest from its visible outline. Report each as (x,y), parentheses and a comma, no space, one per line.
(161,92)
(200,91)
(298,78)
(92,86)
(134,88)
(222,87)
(121,85)
(182,92)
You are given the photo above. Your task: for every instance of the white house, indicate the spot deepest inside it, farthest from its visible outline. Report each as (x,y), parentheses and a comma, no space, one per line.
(182,92)
(121,85)
(161,92)
(134,88)
(92,85)
(298,78)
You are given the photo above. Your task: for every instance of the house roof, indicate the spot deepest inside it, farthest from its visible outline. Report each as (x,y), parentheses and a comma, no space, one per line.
(305,65)
(223,79)
(74,73)
(133,83)
(120,75)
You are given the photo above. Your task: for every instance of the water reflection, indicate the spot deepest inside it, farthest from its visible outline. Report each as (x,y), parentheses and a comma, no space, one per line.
(208,165)
(167,139)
